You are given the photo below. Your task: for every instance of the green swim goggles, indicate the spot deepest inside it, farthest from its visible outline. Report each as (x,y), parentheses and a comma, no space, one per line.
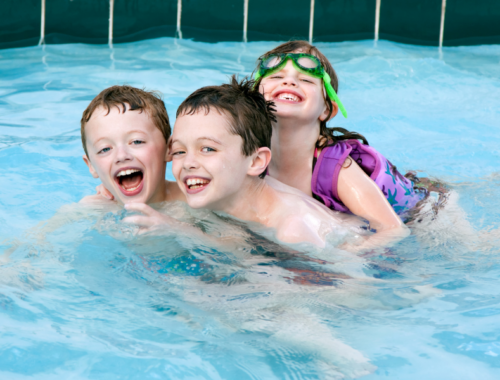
(305,63)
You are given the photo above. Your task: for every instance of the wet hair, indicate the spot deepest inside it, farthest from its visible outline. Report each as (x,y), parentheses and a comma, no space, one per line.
(249,113)
(137,99)
(328,136)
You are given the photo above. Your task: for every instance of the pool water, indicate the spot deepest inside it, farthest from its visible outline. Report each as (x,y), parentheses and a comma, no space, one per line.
(81,297)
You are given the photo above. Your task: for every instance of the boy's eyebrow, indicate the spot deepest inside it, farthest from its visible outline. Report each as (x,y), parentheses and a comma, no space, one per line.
(210,138)
(128,133)
(202,138)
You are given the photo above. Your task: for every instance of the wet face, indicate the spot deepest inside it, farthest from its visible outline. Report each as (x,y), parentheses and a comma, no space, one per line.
(207,160)
(128,153)
(295,94)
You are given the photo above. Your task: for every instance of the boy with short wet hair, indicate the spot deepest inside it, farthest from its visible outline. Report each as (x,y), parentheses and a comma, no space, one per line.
(220,150)
(124,135)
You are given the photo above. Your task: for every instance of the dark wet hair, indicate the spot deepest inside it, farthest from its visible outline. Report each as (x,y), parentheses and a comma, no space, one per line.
(329,136)
(137,99)
(249,113)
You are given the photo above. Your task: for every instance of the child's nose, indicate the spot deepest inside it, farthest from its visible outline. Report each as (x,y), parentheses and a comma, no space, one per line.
(123,154)
(289,75)
(191,162)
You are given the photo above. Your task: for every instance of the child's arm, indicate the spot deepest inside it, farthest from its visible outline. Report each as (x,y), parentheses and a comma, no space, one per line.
(154,221)
(363,197)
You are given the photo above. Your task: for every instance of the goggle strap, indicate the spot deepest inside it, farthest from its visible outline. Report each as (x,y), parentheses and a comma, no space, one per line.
(332,94)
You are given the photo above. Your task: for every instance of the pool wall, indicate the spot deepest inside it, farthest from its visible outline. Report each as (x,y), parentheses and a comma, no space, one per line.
(421,22)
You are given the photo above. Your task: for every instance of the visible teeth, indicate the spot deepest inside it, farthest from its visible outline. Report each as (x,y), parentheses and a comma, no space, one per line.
(127,172)
(287,96)
(196,181)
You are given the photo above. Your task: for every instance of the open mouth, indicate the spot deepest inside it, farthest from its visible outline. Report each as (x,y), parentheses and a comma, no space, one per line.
(195,185)
(288,96)
(130,181)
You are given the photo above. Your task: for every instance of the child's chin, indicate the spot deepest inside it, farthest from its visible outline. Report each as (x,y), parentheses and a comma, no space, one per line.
(197,203)
(139,198)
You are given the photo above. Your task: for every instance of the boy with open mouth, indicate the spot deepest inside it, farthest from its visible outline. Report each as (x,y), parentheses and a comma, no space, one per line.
(220,150)
(124,134)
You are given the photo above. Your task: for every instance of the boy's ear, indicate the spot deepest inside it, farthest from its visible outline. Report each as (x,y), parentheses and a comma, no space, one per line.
(324,115)
(91,168)
(168,155)
(260,161)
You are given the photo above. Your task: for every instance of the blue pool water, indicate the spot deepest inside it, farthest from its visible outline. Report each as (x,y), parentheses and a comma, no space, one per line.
(82,298)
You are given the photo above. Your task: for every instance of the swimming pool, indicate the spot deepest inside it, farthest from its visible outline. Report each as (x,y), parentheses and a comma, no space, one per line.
(90,301)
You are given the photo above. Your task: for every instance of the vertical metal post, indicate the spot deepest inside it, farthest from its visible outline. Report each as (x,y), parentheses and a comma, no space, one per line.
(245,20)
(42,25)
(377,19)
(441,28)
(311,23)
(110,31)
(179,13)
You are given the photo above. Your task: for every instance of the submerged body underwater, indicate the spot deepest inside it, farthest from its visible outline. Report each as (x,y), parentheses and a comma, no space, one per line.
(83,297)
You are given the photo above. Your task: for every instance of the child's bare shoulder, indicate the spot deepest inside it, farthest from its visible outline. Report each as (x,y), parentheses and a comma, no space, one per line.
(296,220)
(294,229)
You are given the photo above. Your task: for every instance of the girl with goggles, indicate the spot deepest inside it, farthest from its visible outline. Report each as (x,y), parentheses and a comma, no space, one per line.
(338,170)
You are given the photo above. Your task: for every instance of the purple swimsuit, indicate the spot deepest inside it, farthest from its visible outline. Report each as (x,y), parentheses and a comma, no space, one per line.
(397,189)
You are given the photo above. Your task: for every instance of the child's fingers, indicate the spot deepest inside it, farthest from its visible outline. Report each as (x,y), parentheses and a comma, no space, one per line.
(101,190)
(139,220)
(150,216)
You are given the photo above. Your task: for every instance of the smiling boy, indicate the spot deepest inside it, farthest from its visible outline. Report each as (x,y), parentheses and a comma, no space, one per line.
(220,152)
(124,134)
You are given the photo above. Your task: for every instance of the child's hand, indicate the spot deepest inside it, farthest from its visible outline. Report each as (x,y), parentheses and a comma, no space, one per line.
(149,218)
(102,191)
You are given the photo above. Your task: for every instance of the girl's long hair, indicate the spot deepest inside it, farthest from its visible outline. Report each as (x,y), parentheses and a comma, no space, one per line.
(328,136)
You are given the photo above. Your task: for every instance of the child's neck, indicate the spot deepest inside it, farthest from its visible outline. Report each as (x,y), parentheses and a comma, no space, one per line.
(173,192)
(293,147)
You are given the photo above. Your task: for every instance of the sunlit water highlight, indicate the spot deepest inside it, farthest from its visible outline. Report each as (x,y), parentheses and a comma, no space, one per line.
(91,301)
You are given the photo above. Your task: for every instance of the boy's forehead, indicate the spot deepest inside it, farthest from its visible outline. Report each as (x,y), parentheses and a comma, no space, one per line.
(201,121)
(104,121)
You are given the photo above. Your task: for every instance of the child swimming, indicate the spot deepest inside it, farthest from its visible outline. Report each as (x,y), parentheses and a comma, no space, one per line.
(339,171)
(124,135)
(220,153)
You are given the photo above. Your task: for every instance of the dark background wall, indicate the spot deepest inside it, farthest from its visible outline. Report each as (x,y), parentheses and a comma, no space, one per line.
(20,23)
(141,19)
(409,21)
(343,20)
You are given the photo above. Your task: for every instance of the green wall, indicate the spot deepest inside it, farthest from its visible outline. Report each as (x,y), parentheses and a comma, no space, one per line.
(411,21)
(472,22)
(343,20)
(76,21)
(141,19)
(408,21)
(20,23)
